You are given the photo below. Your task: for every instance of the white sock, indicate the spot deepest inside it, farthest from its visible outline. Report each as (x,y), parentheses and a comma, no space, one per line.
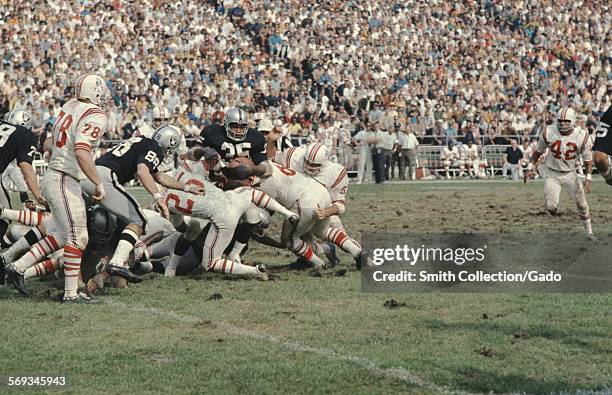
(172,265)
(588,225)
(25,217)
(238,247)
(124,247)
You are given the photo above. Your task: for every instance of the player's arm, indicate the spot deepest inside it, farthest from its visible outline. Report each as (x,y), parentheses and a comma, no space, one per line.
(338,193)
(24,157)
(30,178)
(259,156)
(170,183)
(539,150)
(88,131)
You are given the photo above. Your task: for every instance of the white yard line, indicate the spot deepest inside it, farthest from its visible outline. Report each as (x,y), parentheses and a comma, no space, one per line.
(370,365)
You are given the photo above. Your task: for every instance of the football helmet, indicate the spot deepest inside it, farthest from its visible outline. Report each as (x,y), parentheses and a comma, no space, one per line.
(265,125)
(160,116)
(102,224)
(19,117)
(235,122)
(315,158)
(566,120)
(169,138)
(92,87)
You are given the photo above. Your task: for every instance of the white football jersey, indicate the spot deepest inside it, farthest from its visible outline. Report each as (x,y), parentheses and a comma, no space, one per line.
(333,176)
(451,155)
(470,153)
(79,126)
(564,150)
(288,186)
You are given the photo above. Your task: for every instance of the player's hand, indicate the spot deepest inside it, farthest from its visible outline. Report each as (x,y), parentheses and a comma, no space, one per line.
(195,189)
(321,214)
(41,200)
(587,186)
(99,194)
(162,207)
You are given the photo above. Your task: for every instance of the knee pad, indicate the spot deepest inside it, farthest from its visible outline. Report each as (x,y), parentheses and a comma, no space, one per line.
(252,215)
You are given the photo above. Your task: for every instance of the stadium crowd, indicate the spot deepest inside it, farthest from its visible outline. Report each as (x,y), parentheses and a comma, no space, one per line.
(480,70)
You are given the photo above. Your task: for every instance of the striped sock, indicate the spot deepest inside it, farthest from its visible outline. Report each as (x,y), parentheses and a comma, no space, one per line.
(72,267)
(339,238)
(225,266)
(22,245)
(303,249)
(47,266)
(38,252)
(25,217)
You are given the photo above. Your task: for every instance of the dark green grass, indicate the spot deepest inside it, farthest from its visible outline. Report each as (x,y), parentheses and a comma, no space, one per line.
(306,334)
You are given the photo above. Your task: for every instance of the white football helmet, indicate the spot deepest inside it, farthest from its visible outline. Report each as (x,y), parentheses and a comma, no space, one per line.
(161,116)
(265,125)
(19,117)
(169,138)
(92,87)
(566,120)
(315,158)
(236,125)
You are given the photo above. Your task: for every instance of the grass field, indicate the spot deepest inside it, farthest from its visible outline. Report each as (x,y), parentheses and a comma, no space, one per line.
(320,334)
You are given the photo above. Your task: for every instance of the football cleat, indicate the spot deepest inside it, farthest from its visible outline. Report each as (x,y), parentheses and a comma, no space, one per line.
(121,271)
(17,279)
(143,267)
(294,219)
(81,298)
(591,237)
(262,272)
(332,258)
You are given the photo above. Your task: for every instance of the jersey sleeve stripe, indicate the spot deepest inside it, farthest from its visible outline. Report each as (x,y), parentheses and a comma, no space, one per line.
(289,155)
(82,146)
(89,112)
(339,179)
(586,138)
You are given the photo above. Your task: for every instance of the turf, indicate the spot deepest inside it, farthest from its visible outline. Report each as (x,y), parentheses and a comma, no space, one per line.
(321,334)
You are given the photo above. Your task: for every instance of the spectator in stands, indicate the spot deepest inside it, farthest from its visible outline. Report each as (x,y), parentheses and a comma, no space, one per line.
(379,134)
(512,161)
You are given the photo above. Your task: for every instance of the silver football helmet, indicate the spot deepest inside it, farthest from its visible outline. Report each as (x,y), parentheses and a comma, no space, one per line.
(169,138)
(19,117)
(102,224)
(235,122)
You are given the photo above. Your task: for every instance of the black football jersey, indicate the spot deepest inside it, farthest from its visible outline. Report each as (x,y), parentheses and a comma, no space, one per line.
(603,134)
(253,146)
(124,158)
(16,142)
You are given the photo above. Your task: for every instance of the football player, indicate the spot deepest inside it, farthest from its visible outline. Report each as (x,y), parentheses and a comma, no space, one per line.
(77,131)
(312,161)
(565,142)
(17,143)
(235,139)
(602,148)
(223,209)
(298,193)
(138,157)
(452,157)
